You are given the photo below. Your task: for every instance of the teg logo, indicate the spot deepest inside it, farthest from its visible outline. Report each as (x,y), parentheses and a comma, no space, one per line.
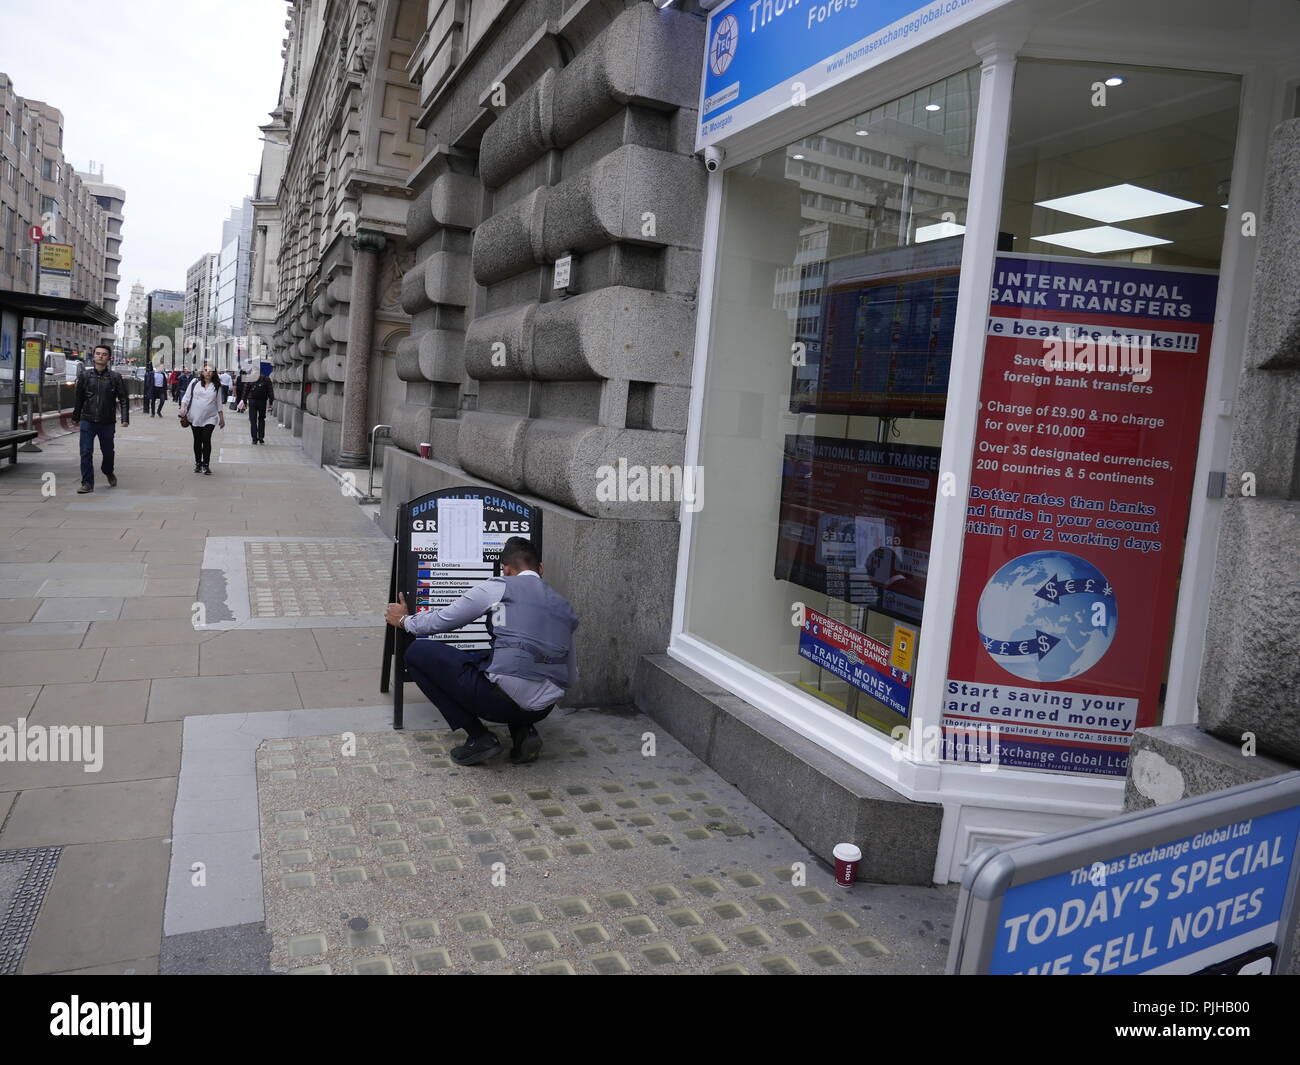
(102,1018)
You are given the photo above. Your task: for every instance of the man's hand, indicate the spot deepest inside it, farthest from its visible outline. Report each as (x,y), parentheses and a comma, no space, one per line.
(126,422)
(396,611)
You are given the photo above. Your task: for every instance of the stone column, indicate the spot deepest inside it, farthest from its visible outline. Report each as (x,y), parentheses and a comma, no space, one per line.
(354,449)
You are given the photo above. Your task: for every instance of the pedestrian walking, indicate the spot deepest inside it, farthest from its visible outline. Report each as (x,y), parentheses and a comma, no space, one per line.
(257,394)
(201,407)
(519,679)
(174,383)
(159,391)
(100,394)
(146,392)
(225,386)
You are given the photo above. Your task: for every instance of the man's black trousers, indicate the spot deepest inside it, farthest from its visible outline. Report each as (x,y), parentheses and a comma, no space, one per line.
(456,683)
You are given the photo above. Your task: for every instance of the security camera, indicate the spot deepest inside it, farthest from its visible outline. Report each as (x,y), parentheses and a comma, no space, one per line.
(713,159)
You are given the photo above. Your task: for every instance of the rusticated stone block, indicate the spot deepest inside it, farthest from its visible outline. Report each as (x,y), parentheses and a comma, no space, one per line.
(1251,674)
(520,134)
(634,194)
(499,346)
(628,333)
(1273,341)
(450,200)
(511,240)
(491,446)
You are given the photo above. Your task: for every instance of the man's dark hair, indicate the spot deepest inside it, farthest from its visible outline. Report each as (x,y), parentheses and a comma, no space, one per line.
(519,553)
(105,347)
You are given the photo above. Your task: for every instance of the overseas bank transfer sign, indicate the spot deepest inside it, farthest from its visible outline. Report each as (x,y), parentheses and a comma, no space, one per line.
(1205,886)
(762,55)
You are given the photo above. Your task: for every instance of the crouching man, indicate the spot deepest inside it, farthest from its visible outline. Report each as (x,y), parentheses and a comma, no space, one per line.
(519,679)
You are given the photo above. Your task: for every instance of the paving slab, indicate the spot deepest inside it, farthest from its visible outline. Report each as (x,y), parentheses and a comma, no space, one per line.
(17,701)
(229,860)
(44,667)
(105,904)
(351,648)
(141,633)
(42,636)
(79,609)
(89,587)
(171,700)
(351,687)
(117,702)
(18,610)
(121,752)
(20,589)
(171,586)
(134,967)
(240,950)
(135,663)
(158,608)
(260,651)
(89,813)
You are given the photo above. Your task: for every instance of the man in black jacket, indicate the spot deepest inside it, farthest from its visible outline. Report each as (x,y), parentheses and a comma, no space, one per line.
(256,395)
(100,392)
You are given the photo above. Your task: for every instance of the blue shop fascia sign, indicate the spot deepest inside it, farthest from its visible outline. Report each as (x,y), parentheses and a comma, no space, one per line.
(763,56)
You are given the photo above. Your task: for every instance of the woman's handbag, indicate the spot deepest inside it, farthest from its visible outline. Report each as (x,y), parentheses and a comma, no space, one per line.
(185,406)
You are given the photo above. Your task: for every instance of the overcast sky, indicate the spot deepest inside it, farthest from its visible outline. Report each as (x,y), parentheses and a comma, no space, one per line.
(167,95)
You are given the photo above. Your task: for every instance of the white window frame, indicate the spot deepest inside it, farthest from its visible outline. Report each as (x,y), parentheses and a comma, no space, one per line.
(1266,98)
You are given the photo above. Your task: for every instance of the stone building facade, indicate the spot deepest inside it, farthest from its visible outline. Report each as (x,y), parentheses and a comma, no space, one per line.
(1248,723)
(38,187)
(558,129)
(349,142)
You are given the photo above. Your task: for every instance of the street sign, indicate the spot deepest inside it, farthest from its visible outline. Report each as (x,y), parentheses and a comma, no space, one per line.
(35,234)
(1204,886)
(33,355)
(447,542)
(55,265)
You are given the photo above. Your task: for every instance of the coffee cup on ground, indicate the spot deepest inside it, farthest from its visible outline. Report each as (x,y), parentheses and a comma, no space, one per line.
(847,857)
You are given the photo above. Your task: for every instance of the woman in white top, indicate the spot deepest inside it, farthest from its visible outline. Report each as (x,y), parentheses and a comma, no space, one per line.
(202,406)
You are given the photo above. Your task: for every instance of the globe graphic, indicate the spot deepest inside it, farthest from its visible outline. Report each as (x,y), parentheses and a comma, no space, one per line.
(1047,616)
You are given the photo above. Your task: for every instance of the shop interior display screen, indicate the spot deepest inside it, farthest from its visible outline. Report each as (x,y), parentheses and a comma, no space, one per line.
(855,521)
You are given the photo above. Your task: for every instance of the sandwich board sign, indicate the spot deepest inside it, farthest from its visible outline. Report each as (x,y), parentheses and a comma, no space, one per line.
(1203,886)
(447,542)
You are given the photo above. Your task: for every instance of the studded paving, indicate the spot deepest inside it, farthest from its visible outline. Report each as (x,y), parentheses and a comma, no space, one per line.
(594,860)
(317,578)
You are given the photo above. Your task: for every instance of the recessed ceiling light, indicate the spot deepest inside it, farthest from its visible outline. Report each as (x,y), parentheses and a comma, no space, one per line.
(1118,203)
(864,133)
(1102,239)
(1114,80)
(938,231)
(797,155)
(933,107)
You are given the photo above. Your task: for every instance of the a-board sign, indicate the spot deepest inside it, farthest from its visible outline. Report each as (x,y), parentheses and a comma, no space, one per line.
(447,542)
(1205,886)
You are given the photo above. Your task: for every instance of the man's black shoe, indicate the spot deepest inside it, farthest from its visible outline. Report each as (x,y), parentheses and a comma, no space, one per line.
(112,480)
(477,750)
(84,489)
(527,745)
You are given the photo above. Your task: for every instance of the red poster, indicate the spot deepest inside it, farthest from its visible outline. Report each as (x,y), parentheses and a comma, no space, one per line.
(1094,376)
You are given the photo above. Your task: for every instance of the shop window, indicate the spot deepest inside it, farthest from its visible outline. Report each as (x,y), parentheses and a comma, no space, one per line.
(823,416)
(1102,315)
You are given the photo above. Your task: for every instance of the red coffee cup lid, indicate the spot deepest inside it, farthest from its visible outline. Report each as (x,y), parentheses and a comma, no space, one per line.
(847,852)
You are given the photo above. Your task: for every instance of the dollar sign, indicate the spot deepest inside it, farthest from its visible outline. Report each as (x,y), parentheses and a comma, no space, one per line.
(1042,645)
